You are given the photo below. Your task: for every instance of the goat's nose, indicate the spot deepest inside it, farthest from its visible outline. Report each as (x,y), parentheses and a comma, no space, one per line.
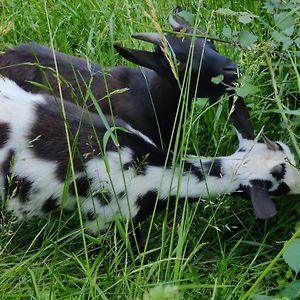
(230,71)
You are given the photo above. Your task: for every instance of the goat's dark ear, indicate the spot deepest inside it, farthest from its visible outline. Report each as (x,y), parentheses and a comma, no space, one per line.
(142,58)
(263,206)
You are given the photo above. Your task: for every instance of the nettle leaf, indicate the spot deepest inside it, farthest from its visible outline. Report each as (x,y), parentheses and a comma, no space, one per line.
(200,102)
(247,38)
(187,16)
(291,255)
(246,90)
(162,293)
(227,32)
(297,42)
(245,18)
(287,44)
(292,290)
(225,12)
(284,20)
(269,6)
(217,79)
(279,37)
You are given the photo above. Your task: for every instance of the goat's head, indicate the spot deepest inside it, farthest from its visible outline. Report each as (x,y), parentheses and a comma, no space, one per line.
(190,54)
(266,169)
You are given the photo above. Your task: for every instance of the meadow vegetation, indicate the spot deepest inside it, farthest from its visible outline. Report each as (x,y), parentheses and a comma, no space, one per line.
(213,249)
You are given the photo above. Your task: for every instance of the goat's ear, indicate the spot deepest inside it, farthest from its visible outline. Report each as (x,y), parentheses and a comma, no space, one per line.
(263,206)
(142,58)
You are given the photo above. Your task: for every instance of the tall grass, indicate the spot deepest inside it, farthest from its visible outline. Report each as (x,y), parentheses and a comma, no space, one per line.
(210,250)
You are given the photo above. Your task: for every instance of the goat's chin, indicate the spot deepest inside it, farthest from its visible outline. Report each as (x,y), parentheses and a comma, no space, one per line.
(212,92)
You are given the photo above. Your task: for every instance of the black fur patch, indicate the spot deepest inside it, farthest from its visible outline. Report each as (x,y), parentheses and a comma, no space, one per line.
(103,199)
(146,205)
(260,182)
(279,171)
(50,204)
(213,168)
(127,166)
(91,216)
(24,187)
(49,141)
(103,196)
(144,153)
(13,185)
(280,147)
(121,195)
(82,187)
(6,166)
(4,133)
(196,171)
(283,189)
(18,187)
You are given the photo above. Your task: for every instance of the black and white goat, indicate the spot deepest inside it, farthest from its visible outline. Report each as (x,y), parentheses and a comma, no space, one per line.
(153,95)
(137,176)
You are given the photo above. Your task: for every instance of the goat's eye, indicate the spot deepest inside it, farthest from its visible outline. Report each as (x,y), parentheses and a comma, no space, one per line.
(278,171)
(279,147)
(211,44)
(178,62)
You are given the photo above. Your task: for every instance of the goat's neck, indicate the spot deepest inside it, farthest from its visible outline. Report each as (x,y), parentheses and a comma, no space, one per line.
(197,179)
(204,178)
(164,91)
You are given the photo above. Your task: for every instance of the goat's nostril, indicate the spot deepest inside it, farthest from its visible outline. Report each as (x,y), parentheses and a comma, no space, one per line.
(230,68)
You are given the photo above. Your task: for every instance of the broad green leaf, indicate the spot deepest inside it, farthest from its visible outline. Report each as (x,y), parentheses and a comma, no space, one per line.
(227,32)
(200,102)
(291,5)
(280,111)
(279,37)
(161,292)
(225,12)
(284,20)
(187,16)
(297,42)
(217,79)
(245,17)
(287,44)
(292,255)
(269,6)
(246,38)
(292,290)
(289,31)
(246,89)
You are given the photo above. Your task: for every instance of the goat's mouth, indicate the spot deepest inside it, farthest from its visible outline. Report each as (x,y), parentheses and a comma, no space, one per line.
(230,76)
(263,206)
